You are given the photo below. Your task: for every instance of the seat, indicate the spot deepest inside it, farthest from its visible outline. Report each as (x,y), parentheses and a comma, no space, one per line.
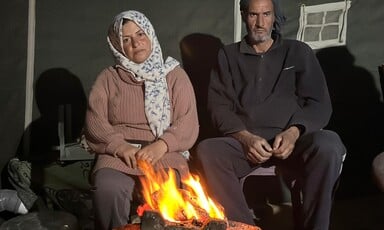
(261,171)
(72,151)
(269,177)
(274,190)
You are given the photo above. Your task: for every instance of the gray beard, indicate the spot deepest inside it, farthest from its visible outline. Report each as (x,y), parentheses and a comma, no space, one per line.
(255,38)
(258,38)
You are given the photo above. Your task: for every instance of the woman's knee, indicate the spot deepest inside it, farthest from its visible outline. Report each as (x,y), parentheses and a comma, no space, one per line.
(112,183)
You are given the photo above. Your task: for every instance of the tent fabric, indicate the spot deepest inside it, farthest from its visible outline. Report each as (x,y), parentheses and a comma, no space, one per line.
(70,39)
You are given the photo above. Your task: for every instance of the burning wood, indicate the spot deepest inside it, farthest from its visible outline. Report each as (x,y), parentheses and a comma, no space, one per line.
(152,220)
(180,213)
(168,207)
(162,194)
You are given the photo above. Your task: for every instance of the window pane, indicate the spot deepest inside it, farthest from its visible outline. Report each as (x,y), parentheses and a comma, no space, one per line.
(315,18)
(330,32)
(333,16)
(311,34)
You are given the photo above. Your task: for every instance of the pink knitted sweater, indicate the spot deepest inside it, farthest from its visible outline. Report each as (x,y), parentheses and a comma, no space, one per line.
(116,113)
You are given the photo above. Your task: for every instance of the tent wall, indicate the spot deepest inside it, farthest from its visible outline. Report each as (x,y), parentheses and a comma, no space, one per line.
(365,38)
(354,83)
(71,41)
(75,37)
(13,55)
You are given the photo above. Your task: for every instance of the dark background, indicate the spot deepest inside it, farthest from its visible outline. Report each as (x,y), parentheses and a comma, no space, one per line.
(71,49)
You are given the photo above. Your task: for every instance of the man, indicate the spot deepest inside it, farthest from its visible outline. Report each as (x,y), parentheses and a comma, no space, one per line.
(269,99)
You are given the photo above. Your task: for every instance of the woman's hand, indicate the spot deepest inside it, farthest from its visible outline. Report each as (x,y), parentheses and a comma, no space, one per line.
(153,152)
(128,152)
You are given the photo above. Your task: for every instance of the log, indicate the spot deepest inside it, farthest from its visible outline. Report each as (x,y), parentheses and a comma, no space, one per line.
(152,220)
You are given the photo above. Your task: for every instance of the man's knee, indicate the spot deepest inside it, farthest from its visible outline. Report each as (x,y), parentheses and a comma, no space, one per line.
(206,148)
(329,145)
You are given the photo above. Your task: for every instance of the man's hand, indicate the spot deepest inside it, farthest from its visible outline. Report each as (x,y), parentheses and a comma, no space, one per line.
(153,152)
(256,148)
(285,142)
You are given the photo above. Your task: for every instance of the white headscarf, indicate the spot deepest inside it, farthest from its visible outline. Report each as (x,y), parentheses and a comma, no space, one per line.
(152,71)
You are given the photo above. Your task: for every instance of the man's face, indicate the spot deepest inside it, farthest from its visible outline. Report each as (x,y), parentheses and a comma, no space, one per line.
(259,20)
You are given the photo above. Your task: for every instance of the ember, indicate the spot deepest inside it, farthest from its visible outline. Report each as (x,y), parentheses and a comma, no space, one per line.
(152,220)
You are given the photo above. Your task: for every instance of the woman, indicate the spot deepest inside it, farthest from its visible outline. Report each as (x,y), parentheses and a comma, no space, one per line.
(142,108)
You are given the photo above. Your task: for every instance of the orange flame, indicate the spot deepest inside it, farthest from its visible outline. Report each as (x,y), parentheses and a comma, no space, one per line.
(161,193)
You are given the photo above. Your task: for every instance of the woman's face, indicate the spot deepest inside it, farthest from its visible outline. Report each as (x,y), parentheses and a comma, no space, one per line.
(136,43)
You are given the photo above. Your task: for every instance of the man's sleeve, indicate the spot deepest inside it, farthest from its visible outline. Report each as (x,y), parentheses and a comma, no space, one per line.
(312,91)
(222,98)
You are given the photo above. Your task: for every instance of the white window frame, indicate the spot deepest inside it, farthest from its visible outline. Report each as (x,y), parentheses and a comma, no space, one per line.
(237,21)
(323,8)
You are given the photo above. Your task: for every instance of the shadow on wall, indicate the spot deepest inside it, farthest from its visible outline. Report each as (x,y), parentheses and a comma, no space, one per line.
(199,56)
(54,87)
(357,117)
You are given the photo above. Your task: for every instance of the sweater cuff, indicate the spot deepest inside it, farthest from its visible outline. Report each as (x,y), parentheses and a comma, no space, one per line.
(171,142)
(112,147)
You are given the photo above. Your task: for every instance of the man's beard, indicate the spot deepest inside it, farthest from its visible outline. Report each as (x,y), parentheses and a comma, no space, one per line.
(254,37)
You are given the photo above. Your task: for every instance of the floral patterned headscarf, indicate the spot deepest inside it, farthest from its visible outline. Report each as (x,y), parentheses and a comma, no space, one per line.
(152,71)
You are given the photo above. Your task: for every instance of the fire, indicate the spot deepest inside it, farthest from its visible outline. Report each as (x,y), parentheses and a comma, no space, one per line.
(161,193)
